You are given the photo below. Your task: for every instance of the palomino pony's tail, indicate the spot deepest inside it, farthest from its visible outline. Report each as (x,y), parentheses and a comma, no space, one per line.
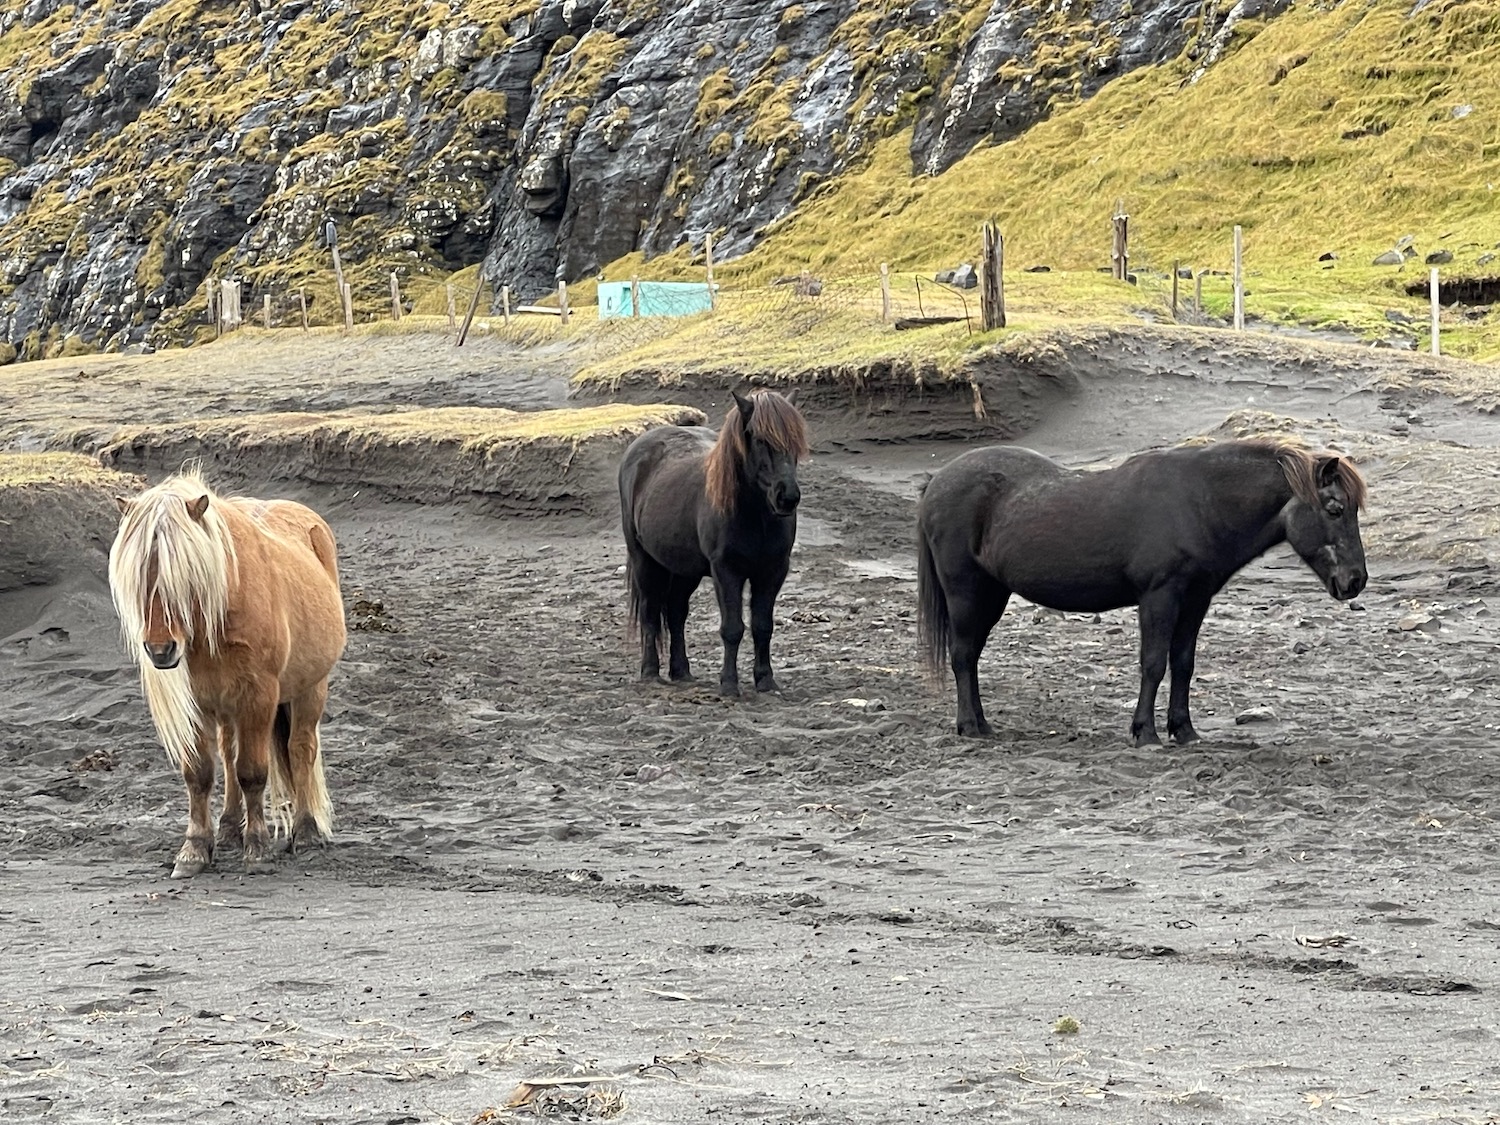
(934,628)
(281,784)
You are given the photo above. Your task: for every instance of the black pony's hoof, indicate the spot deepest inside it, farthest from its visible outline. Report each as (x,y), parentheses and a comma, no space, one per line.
(729,691)
(684,677)
(980,729)
(1147,738)
(767,684)
(1185,737)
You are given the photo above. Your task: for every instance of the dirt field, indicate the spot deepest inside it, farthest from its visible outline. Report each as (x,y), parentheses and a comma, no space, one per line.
(821,906)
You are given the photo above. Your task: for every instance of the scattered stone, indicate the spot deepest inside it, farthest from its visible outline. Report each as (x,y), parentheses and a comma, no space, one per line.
(1255,715)
(1484,259)
(1328,256)
(866,704)
(1389,258)
(1439,258)
(1423,622)
(1300,647)
(1405,242)
(1396,316)
(651,772)
(1185,273)
(943,277)
(1037,269)
(1462,111)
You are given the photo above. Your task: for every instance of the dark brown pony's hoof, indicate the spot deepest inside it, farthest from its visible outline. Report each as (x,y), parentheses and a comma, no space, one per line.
(193,858)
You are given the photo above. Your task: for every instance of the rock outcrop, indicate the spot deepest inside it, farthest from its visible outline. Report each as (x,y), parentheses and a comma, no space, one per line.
(149,145)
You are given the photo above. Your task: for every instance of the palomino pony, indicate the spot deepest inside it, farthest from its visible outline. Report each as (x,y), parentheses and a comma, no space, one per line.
(1164,531)
(232,609)
(695,503)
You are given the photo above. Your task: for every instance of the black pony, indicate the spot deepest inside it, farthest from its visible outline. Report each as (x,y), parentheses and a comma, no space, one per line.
(1164,531)
(694,503)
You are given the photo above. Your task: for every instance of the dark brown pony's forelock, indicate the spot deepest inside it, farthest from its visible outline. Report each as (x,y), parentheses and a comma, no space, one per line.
(775,421)
(1300,465)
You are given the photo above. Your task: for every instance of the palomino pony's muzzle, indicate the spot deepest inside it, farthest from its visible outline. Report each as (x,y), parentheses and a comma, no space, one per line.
(163,657)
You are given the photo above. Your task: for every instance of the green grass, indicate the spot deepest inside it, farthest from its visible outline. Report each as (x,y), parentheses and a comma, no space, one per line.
(29,470)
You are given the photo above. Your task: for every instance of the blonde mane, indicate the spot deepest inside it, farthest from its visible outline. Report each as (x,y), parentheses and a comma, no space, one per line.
(188,566)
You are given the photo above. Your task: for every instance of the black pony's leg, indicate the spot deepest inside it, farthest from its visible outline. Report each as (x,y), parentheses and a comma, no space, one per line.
(652,581)
(730,588)
(762,622)
(973,612)
(1158,614)
(1184,651)
(679,593)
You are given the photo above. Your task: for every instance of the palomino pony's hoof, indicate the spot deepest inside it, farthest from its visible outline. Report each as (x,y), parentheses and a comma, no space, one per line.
(231,837)
(193,859)
(307,837)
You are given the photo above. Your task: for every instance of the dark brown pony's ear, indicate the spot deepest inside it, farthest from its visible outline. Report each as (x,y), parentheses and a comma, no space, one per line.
(1328,471)
(124,503)
(197,507)
(746,405)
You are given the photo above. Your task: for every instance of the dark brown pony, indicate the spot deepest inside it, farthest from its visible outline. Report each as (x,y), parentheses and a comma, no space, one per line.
(696,503)
(1164,531)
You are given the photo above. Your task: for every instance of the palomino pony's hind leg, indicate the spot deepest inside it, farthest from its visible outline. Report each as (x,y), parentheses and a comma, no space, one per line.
(679,594)
(197,850)
(312,812)
(252,765)
(232,819)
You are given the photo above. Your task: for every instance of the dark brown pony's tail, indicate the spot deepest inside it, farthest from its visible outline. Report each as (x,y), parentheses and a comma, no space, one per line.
(933,625)
(637,614)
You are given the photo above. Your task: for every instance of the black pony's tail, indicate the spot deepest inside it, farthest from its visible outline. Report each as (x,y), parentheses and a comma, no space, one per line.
(934,628)
(639,616)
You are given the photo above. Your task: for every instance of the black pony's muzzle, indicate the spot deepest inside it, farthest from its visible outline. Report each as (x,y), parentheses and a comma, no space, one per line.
(785,498)
(1345,587)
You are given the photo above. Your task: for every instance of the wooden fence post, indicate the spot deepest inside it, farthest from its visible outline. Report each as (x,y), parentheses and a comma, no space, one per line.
(885,293)
(395,296)
(1432,291)
(992,291)
(1239,282)
(346,297)
(265,309)
(463,333)
(452,319)
(1176,265)
(338,268)
(213,305)
(635,296)
(562,302)
(1198,291)
(1120,252)
(505,303)
(708,255)
(302,302)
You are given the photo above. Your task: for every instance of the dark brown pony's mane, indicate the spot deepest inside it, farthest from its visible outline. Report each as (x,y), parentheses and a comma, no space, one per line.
(1300,465)
(774,420)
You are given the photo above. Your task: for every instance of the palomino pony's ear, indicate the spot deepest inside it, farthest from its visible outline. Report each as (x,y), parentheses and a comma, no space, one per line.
(124,503)
(197,507)
(746,405)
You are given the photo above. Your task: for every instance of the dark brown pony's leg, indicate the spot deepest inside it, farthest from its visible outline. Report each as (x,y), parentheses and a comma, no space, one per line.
(252,765)
(679,594)
(1183,656)
(762,623)
(730,588)
(311,812)
(973,613)
(232,819)
(197,850)
(1158,614)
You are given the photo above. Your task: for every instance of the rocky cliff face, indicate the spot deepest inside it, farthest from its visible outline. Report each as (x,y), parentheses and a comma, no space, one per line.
(147,145)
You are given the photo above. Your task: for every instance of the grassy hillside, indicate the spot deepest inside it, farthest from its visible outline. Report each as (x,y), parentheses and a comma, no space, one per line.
(1335,128)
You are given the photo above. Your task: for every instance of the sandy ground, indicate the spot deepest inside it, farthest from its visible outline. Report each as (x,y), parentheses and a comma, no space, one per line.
(820,906)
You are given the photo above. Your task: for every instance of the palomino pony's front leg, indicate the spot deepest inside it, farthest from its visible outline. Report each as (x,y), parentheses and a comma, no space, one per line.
(232,819)
(252,765)
(1158,616)
(762,622)
(197,850)
(730,588)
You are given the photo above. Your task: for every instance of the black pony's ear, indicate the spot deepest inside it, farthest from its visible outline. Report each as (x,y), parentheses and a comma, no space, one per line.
(746,405)
(790,395)
(197,507)
(1328,471)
